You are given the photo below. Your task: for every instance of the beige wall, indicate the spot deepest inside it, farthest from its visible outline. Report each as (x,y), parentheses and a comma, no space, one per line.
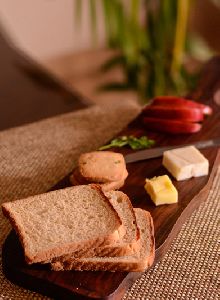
(45,28)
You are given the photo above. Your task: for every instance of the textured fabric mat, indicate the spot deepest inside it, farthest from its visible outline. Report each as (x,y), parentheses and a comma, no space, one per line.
(190,269)
(34,157)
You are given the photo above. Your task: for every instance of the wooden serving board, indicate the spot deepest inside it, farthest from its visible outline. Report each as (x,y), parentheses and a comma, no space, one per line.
(168,219)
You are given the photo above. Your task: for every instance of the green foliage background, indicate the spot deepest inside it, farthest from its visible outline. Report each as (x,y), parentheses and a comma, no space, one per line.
(152,38)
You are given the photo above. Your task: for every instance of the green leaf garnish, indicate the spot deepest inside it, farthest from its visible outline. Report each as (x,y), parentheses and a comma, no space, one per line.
(133,142)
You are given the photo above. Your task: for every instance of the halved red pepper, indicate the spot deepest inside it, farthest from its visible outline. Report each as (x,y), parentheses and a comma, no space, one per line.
(171,126)
(174,112)
(173,100)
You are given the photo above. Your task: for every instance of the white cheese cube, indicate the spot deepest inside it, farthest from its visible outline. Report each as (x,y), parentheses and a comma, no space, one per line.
(184,163)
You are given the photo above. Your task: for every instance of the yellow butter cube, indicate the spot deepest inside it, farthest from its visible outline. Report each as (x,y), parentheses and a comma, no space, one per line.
(161,190)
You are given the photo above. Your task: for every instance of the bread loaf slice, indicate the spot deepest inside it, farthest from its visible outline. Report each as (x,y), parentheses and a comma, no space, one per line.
(60,222)
(138,262)
(128,243)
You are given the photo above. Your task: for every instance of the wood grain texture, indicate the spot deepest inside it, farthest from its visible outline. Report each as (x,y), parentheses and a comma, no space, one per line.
(168,219)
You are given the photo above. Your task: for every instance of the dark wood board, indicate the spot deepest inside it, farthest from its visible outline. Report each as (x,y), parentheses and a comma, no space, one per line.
(168,219)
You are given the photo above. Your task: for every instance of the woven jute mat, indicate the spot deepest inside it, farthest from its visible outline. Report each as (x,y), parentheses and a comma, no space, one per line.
(36,156)
(190,269)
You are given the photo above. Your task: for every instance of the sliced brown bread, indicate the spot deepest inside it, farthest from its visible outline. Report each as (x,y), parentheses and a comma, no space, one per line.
(60,222)
(128,243)
(140,261)
(77,179)
(102,166)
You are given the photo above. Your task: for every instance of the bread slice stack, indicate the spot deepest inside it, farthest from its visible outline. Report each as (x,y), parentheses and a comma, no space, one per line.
(105,168)
(83,228)
(139,261)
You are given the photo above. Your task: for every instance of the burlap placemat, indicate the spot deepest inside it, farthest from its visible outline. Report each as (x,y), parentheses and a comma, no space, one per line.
(34,157)
(190,268)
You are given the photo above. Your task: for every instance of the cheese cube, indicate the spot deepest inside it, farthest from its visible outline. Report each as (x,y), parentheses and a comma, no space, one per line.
(184,163)
(161,190)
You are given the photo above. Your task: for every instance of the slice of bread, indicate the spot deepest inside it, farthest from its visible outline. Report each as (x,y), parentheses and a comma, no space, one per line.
(128,243)
(77,179)
(62,221)
(138,262)
(102,166)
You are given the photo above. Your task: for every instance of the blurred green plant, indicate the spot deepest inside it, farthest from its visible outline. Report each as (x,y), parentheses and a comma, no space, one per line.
(151,36)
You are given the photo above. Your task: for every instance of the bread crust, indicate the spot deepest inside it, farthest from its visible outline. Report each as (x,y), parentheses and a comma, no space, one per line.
(48,254)
(152,239)
(132,266)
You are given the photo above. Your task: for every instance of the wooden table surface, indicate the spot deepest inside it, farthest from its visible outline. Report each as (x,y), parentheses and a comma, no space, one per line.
(81,71)
(27,92)
(30,91)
